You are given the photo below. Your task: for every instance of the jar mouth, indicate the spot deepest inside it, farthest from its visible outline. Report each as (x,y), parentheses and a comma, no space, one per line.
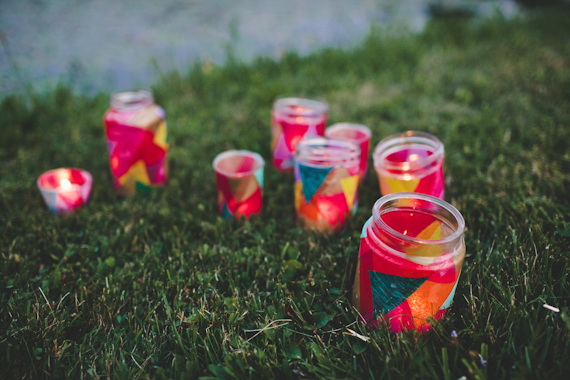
(238,163)
(413,140)
(319,152)
(350,131)
(131,100)
(300,107)
(416,202)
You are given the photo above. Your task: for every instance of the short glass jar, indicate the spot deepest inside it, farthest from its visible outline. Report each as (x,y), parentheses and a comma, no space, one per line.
(356,133)
(239,179)
(326,182)
(410,162)
(293,119)
(410,257)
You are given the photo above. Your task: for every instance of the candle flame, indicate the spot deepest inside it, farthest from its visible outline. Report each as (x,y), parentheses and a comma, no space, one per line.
(405,166)
(413,157)
(407,177)
(65,184)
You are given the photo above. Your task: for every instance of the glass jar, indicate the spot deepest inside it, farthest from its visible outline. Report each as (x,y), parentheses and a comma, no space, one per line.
(137,139)
(356,133)
(65,189)
(410,162)
(239,179)
(292,120)
(326,182)
(409,261)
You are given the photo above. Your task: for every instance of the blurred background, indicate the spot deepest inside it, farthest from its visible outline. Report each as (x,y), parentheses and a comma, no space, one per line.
(109,45)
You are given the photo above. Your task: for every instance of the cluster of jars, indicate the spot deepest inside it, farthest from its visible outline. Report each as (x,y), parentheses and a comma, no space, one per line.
(411,248)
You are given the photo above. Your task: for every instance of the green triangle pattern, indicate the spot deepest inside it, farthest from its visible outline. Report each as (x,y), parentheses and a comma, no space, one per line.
(312,178)
(388,291)
(141,187)
(226,211)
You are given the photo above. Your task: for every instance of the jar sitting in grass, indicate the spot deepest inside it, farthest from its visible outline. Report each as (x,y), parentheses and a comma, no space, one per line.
(409,261)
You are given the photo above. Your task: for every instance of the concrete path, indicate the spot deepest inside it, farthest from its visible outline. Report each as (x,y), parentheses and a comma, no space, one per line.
(110,45)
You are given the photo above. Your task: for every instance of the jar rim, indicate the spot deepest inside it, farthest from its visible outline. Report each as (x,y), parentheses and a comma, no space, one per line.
(346,125)
(131,100)
(259,162)
(377,213)
(311,107)
(316,152)
(387,145)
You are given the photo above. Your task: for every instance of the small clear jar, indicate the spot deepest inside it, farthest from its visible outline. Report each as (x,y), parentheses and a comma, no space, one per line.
(239,179)
(410,257)
(137,139)
(356,133)
(293,119)
(410,162)
(326,182)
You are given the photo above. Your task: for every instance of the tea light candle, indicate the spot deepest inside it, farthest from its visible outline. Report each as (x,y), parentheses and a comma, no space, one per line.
(410,162)
(65,189)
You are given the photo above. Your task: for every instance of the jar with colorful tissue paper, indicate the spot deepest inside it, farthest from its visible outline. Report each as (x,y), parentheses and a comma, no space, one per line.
(409,261)
(326,182)
(137,140)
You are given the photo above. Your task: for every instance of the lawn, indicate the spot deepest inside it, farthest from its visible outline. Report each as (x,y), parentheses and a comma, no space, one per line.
(159,286)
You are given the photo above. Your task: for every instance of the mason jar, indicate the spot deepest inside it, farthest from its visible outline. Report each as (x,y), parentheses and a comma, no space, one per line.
(409,261)
(137,139)
(326,182)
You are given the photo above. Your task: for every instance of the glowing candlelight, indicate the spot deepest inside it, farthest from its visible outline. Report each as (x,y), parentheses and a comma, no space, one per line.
(65,189)
(64,184)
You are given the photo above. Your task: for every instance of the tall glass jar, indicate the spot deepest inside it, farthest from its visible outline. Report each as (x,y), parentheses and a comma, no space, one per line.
(326,182)
(292,120)
(411,161)
(410,258)
(137,139)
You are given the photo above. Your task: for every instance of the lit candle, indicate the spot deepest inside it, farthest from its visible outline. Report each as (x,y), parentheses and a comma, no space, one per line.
(292,120)
(410,162)
(64,184)
(65,189)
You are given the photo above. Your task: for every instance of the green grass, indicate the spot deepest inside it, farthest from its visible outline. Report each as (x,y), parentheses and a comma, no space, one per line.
(158,286)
